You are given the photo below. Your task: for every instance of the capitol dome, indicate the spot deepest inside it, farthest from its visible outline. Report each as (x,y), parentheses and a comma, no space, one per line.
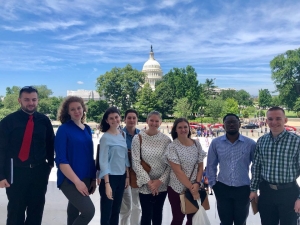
(153,70)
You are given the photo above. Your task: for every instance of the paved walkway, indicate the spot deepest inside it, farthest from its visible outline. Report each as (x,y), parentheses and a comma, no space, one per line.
(56,203)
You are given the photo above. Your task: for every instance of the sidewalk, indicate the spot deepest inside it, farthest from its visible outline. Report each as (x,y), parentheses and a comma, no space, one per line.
(56,203)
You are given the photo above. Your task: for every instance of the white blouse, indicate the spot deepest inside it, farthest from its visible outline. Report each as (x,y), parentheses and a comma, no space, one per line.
(153,150)
(187,157)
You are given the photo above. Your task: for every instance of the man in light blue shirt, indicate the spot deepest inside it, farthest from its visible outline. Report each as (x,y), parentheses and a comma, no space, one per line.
(233,153)
(130,213)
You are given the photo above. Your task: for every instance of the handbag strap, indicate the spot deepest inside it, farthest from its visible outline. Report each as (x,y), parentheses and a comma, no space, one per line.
(140,137)
(195,142)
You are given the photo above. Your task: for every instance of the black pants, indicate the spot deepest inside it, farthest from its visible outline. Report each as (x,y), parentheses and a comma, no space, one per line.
(152,208)
(110,209)
(277,205)
(232,203)
(27,194)
(78,204)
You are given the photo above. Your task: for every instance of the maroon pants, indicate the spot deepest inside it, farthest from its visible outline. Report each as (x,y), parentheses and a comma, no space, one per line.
(178,216)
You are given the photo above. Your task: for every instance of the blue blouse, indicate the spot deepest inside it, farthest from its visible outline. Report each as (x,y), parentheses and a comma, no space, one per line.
(74,146)
(113,156)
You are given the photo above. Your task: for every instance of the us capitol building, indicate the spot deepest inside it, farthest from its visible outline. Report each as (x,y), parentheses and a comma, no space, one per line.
(151,68)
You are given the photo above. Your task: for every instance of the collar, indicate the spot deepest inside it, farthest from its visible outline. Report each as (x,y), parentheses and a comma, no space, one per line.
(284,132)
(240,138)
(26,115)
(136,131)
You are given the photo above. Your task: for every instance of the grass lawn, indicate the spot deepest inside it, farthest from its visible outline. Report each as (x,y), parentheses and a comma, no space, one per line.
(291,114)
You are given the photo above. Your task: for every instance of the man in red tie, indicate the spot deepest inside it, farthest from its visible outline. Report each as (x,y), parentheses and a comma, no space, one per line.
(26,159)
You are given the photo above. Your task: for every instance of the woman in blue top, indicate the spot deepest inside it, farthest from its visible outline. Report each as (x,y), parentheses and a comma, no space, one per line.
(74,158)
(114,163)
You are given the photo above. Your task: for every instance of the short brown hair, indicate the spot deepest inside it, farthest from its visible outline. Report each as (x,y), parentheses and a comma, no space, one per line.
(275,108)
(63,112)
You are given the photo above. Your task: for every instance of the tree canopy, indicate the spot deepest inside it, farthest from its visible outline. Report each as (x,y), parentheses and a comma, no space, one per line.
(264,98)
(120,86)
(285,70)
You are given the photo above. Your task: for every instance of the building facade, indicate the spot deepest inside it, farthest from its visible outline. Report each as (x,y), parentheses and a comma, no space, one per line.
(153,70)
(86,95)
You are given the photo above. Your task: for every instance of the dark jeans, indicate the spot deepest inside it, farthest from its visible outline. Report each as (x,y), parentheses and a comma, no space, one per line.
(277,205)
(152,208)
(232,203)
(178,216)
(110,209)
(78,204)
(27,194)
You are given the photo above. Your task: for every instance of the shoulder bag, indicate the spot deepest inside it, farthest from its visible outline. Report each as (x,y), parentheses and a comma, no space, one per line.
(145,166)
(187,203)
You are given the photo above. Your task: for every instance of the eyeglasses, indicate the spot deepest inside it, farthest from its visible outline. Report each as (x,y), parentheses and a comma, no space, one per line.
(231,122)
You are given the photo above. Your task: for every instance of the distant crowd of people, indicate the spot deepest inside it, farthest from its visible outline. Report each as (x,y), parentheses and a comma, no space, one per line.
(138,169)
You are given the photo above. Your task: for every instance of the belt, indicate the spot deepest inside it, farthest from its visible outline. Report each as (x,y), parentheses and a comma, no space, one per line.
(31,165)
(281,186)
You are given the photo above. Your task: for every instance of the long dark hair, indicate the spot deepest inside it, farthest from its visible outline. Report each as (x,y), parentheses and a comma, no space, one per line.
(173,131)
(104,126)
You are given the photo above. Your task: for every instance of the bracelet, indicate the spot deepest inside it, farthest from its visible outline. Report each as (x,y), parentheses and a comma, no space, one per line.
(106,182)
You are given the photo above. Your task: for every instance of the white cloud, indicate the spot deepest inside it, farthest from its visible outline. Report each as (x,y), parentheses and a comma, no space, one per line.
(230,41)
(79,82)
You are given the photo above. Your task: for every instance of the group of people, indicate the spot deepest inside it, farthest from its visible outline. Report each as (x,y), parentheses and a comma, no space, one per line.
(28,146)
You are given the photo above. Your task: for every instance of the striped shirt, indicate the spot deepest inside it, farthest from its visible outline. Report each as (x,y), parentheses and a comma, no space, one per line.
(234,160)
(276,160)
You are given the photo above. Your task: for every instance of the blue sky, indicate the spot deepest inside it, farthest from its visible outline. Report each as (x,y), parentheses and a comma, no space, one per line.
(67,44)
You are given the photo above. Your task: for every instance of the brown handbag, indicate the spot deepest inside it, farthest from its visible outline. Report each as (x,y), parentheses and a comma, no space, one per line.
(187,203)
(145,166)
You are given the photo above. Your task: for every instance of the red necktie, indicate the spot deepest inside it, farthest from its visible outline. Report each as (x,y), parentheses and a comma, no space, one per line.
(25,148)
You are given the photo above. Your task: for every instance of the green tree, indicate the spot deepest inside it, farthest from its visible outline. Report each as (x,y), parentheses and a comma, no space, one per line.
(245,113)
(215,108)
(163,95)
(96,109)
(146,101)
(243,98)
(209,87)
(228,94)
(4,112)
(11,99)
(276,101)
(182,108)
(184,84)
(286,76)
(264,98)
(231,106)
(120,86)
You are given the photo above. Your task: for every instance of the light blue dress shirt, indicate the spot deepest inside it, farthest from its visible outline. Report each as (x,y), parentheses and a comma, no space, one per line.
(113,156)
(129,137)
(233,159)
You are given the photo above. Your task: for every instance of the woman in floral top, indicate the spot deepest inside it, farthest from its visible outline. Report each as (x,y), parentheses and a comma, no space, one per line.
(185,156)
(152,186)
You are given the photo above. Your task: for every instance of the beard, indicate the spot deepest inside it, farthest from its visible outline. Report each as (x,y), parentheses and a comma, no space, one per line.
(232,132)
(28,110)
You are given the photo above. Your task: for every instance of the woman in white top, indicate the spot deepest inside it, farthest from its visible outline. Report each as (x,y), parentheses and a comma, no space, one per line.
(152,186)
(185,156)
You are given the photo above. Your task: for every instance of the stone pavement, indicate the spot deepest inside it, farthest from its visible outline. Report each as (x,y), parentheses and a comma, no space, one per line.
(56,203)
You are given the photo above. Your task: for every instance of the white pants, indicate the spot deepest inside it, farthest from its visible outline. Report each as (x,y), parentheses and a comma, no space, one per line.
(130,213)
